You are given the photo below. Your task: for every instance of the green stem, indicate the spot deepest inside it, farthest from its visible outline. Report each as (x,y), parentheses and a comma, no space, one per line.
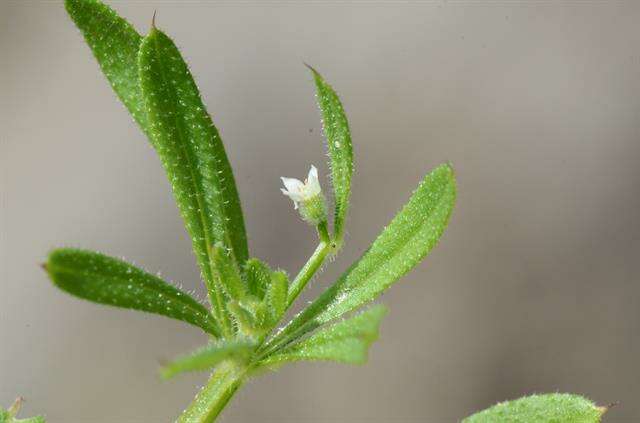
(312,265)
(215,395)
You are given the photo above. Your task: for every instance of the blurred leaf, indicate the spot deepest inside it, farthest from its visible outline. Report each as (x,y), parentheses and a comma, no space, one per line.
(258,276)
(106,280)
(192,154)
(208,357)
(9,416)
(276,297)
(547,408)
(336,129)
(410,236)
(347,341)
(114,43)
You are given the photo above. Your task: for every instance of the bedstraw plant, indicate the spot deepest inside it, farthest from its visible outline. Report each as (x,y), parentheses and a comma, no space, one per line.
(242,322)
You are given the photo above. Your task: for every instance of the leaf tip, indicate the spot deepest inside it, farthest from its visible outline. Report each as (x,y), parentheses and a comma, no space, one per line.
(606,408)
(313,70)
(153,20)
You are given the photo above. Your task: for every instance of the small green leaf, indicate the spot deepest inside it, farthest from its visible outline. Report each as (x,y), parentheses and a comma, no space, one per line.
(258,276)
(258,311)
(227,273)
(336,129)
(244,321)
(106,280)
(547,408)
(404,243)
(276,297)
(192,154)
(114,43)
(208,357)
(347,341)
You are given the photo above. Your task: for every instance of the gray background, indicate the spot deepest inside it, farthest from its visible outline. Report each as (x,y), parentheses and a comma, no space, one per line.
(533,288)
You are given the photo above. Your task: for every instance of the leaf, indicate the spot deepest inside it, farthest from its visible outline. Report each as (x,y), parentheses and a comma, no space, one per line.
(114,43)
(209,356)
(258,276)
(227,273)
(347,341)
(547,408)
(410,236)
(276,297)
(192,154)
(244,320)
(106,280)
(336,129)
(9,416)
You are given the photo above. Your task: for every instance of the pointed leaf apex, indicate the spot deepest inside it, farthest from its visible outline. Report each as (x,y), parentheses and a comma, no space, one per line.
(153,20)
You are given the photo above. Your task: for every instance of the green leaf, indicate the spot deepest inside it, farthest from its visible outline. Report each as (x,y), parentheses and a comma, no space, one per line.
(192,154)
(114,43)
(227,273)
(243,319)
(209,356)
(547,408)
(347,341)
(336,129)
(106,280)
(410,236)
(276,297)
(258,276)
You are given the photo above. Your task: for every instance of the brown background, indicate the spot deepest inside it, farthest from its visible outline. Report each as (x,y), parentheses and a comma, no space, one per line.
(534,287)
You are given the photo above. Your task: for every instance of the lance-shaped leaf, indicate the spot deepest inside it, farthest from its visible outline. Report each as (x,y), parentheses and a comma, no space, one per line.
(192,153)
(410,236)
(114,43)
(106,280)
(547,408)
(347,341)
(208,357)
(336,129)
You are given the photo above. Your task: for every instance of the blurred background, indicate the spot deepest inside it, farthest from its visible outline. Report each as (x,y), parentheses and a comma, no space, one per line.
(534,285)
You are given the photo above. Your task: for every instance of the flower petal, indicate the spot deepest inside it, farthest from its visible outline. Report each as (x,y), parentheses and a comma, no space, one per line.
(313,184)
(293,185)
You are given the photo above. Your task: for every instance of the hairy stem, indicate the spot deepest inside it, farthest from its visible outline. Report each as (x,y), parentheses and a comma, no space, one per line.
(215,395)
(312,265)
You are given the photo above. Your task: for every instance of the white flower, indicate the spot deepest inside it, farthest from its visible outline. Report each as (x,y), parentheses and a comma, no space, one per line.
(300,191)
